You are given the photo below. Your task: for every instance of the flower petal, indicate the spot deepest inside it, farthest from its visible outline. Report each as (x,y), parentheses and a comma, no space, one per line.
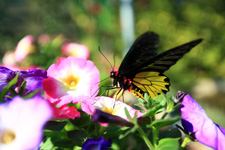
(76,50)
(115,107)
(195,120)
(26,119)
(65,112)
(24,48)
(54,88)
(111,108)
(104,119)
(34,78)
(99,144)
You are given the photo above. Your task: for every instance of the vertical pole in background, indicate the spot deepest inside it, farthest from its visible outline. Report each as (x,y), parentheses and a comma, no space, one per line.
(127,23)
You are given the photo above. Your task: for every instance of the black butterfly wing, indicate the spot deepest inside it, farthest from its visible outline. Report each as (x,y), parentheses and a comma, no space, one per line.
(149,76)
(142,50)
(165,60)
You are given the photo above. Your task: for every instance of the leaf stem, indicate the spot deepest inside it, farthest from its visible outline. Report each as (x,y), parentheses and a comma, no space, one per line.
(164,115)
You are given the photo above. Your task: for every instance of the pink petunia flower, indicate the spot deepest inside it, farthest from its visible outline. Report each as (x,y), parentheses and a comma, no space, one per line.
(110,106)
(24,47)
(71,80)
(9,58)
(22,121)
(64,112)
(76,50)
(44,39)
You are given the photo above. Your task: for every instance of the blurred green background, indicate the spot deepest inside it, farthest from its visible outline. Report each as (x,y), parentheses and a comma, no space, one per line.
(94,23)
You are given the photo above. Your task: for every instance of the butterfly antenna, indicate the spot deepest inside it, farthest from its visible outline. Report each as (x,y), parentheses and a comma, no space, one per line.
(105,57)
(114,61)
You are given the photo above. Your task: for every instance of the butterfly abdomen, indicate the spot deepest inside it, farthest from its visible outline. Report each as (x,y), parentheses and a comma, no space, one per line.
(136,91)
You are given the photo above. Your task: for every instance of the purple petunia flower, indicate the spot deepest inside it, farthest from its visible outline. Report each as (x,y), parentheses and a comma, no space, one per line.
(33,78)
(99,144)
(22,122)
(195,120)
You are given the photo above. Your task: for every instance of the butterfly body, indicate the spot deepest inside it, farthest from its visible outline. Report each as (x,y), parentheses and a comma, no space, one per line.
(120,80)
(141,70)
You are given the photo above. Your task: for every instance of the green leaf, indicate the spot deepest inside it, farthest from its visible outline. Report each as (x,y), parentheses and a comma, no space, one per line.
(153,111)
(62,143)
(31,94)
(55,125)
(12,91)
(171,133)
(141,100)
(149,100)
(162,122)
(5,90)
(128,115)
(121,136)
(47,144)
(22,88)
(135,117)
(82,122)
(115,131)
(77,136)
(78,105)
(170,105)
(161,99)
(60,134)
(146,96)
(168,144)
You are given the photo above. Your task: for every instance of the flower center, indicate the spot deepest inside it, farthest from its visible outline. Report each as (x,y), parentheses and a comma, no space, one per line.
(110,110)
(7,136)
(71,82)
(74,53)
(107,110)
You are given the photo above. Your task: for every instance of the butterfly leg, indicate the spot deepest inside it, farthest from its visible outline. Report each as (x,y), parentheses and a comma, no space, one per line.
(107,89)
(118,95)
(95,92)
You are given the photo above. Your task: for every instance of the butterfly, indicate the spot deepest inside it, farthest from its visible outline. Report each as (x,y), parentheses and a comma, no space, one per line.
(141,70)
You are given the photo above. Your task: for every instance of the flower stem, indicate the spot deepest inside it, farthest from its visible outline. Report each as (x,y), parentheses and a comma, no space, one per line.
(155,136)
(185,141)
(149,144)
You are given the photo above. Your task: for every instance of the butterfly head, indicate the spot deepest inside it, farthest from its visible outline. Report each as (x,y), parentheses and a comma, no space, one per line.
(113,74)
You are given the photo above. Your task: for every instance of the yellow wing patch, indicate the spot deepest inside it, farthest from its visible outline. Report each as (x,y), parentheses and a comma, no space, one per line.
(153,83)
